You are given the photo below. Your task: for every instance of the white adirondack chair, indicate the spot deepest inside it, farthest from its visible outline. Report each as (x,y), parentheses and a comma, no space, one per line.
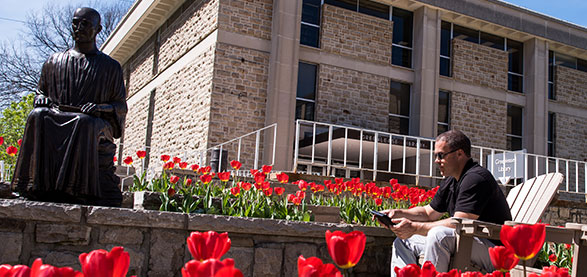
(527,203)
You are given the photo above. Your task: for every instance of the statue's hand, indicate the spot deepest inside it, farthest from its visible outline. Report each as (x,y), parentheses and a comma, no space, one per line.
(90,108)
(94,109)
(42,102)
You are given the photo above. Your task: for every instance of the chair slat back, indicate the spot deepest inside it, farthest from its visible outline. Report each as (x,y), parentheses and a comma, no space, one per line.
(529,200)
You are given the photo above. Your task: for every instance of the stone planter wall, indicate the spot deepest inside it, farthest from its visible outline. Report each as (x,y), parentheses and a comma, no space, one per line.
(58,233)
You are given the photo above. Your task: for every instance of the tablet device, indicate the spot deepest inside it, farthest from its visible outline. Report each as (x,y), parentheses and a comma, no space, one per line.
(383,218)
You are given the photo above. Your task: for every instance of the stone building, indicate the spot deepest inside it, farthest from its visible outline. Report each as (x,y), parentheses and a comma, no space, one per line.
(202,72)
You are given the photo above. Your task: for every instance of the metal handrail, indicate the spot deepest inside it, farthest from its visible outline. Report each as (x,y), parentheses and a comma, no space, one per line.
(420,160)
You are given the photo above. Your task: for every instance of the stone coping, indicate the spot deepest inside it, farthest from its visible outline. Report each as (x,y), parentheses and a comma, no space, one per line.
(68,213)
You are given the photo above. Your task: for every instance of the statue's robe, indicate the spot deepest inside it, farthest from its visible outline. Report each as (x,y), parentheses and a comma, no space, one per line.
(66,155)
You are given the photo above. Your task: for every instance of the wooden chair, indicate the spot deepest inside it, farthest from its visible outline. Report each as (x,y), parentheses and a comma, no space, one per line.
(527,202)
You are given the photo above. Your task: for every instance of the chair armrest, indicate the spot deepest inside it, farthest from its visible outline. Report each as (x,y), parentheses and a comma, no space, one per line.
(477,228)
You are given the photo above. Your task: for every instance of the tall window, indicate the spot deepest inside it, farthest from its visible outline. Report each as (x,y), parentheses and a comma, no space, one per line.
(306,93)
(515,65)
(401,52)
(443,111)
(551,91)
(514,128)
(551,134)
(399,108)
(445,48)
(363,6)
(310,32)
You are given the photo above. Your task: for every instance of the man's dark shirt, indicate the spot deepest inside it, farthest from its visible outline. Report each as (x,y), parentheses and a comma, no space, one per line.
(476,192)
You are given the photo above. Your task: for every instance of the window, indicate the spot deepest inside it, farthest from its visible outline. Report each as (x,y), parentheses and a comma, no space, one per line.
(492,41)
(515,65)
(514,128)
(551,91)
(310,31)
(465,33)
(401,52)
(374,9)
(363,6)
(306,93)
(443,111)
(445,48)
(551,134)
(399,108)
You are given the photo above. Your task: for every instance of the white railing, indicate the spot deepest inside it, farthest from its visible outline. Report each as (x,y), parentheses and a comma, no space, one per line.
(203,157)
(336,150)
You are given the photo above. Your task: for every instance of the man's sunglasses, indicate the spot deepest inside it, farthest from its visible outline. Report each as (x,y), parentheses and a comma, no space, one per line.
(440,155)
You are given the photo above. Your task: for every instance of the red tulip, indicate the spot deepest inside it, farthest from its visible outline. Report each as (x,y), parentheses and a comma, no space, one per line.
(224,176)
(503,258)
(245,185)
(236,164)
(210,267)
(235,191)
(552,258)
(11,150)
(19,141)
(208,245)
(1,140)
(183,165)
(194,167)
(188,182)
(268,191)
(206,179)
(472,274)
(378,201)
(171,192)
(128,160)
(165,158)
(452,273)
(345,249)
(168,166)
(114,159)
(428,270)
(282,178)
(100,262)
(279,190)
(313,267)
(174,179)
(411,270)
(556,272)
(141,154)
(176,160)
(498,273)
(38,269)
(259,178)
(204,170)
(266,169)
(14,271)
(525,240)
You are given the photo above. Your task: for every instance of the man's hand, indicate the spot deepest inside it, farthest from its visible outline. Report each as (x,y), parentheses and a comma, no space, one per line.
(42,101)
(404,228)
(94,109)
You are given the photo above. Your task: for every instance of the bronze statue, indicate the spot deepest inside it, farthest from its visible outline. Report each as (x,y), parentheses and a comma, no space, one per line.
(67,150)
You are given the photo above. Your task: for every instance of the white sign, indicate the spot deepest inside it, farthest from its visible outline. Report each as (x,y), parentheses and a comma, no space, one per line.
(506,166)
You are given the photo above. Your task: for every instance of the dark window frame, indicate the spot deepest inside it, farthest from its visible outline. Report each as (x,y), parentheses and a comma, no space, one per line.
(304,100)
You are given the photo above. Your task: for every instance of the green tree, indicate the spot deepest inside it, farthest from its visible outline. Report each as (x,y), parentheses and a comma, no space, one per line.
(12,125)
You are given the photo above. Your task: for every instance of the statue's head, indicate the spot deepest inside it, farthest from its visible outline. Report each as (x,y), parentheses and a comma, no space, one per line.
(85,25)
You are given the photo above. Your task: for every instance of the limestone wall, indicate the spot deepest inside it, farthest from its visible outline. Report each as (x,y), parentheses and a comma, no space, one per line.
(140,67)
(571,87)
(480,65)
(246,17)
(482,119)
(191,23)
(356,35)
(354,98)
(156,241)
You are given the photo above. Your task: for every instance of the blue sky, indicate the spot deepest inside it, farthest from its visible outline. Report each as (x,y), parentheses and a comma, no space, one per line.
(13,11)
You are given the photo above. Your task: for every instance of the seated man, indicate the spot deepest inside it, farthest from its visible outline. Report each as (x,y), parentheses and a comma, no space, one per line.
(67,150)
(468,191)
